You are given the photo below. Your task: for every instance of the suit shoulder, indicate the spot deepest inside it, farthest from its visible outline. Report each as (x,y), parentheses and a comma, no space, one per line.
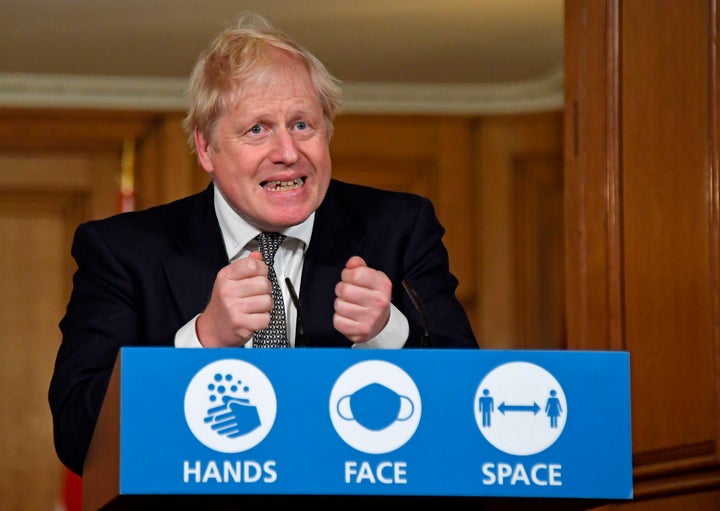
(350,193)
(374,209)
(154,219)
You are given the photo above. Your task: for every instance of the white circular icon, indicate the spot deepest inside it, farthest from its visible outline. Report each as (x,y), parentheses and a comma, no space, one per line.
(375,407)
(520,408)
(230,406)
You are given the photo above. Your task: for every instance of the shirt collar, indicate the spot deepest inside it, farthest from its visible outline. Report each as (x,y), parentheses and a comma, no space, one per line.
(238,232)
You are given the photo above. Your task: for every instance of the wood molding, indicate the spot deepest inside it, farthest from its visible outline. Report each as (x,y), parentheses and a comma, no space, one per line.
(168,95)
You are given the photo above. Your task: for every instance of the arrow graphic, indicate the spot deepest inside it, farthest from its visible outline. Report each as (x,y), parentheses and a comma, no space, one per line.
(534,408)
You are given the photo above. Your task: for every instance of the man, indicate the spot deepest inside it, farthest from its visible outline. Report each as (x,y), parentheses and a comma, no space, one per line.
(190,273)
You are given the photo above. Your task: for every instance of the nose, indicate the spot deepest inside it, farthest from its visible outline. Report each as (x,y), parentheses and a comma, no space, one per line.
(284,148)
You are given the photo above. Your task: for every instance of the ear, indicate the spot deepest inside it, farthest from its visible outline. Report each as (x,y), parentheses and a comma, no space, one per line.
(202,147)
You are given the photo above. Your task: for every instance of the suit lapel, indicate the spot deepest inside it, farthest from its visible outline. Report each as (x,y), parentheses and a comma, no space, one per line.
(334,241)
(199,256)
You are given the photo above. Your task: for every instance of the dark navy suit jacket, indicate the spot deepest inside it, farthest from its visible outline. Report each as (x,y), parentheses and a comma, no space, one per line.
(142,275)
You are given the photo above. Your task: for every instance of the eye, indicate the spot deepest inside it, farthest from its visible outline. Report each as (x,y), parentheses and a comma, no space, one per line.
(301,125)
(256,129)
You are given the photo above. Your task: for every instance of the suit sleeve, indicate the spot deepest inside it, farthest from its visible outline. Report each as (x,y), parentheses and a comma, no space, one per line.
(425,264)
(99,318)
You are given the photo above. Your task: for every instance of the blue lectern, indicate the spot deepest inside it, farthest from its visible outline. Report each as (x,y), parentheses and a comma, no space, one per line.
(237,425)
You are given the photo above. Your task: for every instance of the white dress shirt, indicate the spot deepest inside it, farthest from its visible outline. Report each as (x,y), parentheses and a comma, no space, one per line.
(239,237)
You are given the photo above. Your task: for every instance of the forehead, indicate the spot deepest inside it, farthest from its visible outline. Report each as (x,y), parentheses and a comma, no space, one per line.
(279,77)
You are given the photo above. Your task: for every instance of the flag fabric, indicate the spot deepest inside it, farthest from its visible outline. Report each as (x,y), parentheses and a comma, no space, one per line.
(71,492)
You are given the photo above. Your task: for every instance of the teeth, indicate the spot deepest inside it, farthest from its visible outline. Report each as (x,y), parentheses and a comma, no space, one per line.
(279,186)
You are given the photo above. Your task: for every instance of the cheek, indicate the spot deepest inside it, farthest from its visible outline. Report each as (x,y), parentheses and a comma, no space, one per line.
(320,156)
(236,164)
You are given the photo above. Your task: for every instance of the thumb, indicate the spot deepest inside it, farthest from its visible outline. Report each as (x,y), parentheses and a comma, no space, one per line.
(355,262)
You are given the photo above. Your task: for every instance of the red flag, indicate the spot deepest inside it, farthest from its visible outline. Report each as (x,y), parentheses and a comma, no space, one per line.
(127,177)
(71,497)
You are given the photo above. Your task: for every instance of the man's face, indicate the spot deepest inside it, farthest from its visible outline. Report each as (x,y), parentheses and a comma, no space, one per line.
(270,156)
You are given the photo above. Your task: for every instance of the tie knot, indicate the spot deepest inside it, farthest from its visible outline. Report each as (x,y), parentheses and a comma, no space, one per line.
(269,242)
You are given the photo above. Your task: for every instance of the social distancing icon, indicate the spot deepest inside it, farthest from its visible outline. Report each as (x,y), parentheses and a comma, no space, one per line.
(520,408)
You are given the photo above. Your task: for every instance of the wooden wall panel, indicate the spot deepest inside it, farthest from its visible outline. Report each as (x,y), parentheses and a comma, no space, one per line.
(642,226)
(37,129)
(43,196)
(56,170)
(166,168)
(540,252)
(700,501)
(593,302)
(520,236)
(665,139)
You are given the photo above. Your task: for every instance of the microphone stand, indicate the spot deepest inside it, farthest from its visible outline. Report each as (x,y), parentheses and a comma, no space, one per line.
(425,341)
(300,341)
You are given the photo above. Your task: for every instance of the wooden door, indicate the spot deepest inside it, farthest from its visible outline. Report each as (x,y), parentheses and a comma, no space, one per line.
(55,171)
(643,227)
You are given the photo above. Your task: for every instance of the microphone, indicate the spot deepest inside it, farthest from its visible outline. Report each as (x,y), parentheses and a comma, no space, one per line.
(425,341)
(300,341)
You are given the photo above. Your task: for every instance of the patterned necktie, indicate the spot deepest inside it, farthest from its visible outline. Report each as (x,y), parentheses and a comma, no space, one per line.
(275,335)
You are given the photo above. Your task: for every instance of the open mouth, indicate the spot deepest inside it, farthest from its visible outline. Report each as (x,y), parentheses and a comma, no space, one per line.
(281,186)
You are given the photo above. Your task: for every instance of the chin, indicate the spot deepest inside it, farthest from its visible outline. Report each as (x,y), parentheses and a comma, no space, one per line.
(290,218)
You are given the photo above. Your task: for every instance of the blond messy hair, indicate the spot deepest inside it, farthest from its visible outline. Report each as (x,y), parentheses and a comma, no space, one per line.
(237,57)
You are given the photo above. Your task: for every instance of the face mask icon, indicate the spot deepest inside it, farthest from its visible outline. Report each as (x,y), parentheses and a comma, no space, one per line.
(375,407)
